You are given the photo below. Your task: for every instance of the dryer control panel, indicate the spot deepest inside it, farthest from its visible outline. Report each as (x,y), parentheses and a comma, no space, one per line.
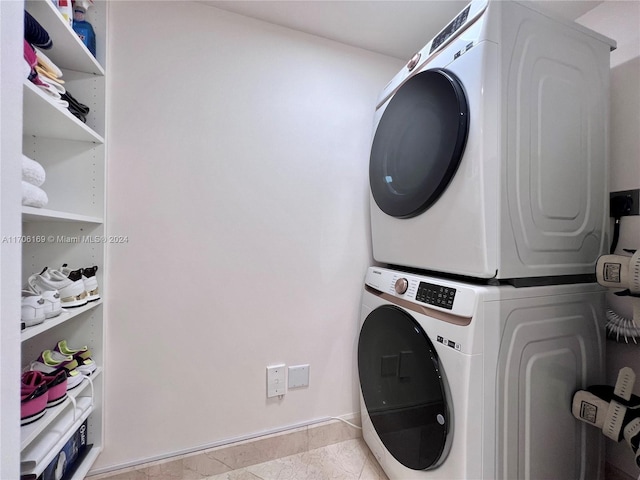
(450,29)
(462,22)
(456,298)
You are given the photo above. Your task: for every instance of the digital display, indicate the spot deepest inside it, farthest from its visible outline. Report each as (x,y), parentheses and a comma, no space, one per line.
(450,29)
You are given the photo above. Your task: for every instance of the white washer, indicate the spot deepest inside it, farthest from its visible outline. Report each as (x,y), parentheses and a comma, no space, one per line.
(489,157)
(464,381)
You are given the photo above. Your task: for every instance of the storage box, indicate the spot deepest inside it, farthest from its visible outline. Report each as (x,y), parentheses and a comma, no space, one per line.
(69,456)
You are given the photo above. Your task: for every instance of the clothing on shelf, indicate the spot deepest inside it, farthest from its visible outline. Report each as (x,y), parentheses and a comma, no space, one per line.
(35,34)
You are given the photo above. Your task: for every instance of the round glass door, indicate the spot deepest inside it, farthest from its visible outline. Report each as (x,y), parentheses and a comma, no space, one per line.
(418,144)
(403,388)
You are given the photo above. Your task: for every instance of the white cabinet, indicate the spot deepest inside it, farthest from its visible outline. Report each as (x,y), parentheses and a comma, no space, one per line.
(70,229)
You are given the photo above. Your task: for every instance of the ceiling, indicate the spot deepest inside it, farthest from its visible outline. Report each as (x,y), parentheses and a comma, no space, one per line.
(397,28)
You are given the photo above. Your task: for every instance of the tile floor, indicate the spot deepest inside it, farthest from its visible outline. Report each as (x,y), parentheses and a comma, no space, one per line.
(348,460)
(345,460)
(332,449)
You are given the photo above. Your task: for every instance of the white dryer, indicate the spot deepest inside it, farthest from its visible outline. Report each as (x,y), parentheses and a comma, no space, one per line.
(489,157)
(463,381)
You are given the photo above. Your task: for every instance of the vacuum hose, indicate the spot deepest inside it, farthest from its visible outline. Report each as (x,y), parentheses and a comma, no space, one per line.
(622,272)
(621,327)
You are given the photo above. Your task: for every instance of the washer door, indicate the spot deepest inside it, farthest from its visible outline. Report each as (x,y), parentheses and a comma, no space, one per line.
(403,388)
(418,144)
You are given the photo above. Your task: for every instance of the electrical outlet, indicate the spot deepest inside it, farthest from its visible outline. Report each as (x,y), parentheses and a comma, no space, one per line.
(624,203)
(276,383)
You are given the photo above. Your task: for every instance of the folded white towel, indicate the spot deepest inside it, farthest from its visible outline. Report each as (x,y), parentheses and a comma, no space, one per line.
(33,196)
(32,171)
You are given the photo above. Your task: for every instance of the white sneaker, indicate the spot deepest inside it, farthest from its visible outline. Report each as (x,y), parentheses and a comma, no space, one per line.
(32,308)
(71,292)
(88,276)
(52,306)
(91,283)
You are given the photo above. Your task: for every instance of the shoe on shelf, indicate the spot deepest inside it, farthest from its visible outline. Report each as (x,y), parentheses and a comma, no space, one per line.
(45,363)
(56,387)
(80,366)
(88,276)
(33,397)
(72,293)
(32,311)
(52,306)
(82,355)
(74,276)
(91,283)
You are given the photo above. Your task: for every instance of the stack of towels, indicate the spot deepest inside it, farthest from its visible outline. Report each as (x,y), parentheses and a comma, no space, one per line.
(33,177)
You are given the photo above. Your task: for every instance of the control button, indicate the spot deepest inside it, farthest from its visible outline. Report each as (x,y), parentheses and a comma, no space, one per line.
(440,419)
(414,61)
(401,285)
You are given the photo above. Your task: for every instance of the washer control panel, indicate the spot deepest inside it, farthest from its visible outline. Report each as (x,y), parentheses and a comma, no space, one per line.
(448,296)
(437,295)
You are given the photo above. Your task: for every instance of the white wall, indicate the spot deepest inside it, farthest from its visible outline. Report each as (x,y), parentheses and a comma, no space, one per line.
(238,156)
(620,20)
(238,169)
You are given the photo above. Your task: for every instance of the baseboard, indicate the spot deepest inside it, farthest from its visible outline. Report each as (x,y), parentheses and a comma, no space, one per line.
(241,454)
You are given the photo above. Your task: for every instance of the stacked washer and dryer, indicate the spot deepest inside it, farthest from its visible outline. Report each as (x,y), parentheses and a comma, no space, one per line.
(489,209)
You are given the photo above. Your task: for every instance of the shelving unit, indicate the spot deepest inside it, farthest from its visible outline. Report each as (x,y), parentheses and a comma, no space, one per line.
(68,230)
(30,432)
(50,323)
(46,119)
(31,214)
(69,52)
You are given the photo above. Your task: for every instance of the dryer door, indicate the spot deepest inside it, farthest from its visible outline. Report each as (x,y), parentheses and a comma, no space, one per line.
(403,388)
(418,143)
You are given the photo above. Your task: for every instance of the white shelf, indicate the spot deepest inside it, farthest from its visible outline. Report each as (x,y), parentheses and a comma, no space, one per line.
(73,155)
(39,454)
(68,50)
(65,316)
(54,420)
(43,118)
(32,214)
